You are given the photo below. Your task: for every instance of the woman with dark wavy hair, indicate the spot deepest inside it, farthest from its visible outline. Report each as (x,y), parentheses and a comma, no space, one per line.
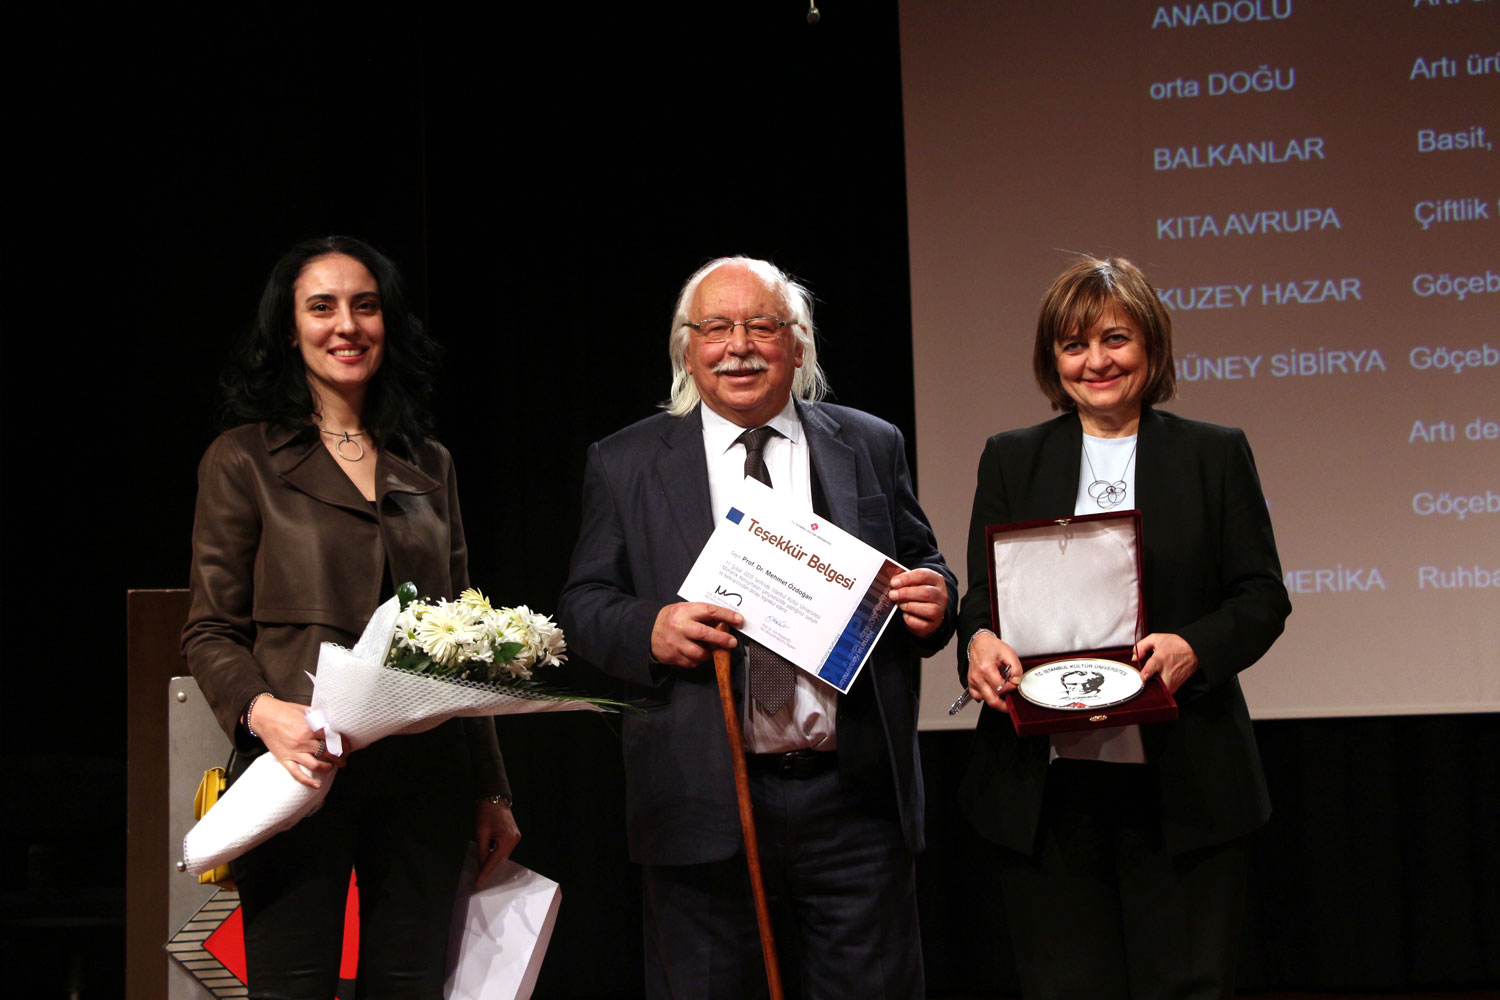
(1122,852)
(323,495)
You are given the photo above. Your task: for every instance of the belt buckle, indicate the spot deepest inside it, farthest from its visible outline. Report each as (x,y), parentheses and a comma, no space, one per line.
(794,761)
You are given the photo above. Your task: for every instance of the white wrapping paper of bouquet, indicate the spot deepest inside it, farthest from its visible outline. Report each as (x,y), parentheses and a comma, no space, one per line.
(500,934)
(356,701)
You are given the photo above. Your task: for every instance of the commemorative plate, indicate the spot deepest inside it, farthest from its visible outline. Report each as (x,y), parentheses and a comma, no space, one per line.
(1080,684)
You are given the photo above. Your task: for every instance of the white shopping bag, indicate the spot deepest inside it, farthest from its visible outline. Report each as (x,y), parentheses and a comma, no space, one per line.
(500,934)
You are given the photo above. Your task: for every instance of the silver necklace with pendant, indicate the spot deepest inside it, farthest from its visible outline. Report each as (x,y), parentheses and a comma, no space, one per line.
(1109,494)
(346,438)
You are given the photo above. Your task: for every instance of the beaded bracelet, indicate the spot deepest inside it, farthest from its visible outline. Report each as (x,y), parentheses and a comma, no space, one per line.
(251,708)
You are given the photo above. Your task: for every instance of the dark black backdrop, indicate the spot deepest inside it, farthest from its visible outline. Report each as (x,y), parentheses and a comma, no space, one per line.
(547,177)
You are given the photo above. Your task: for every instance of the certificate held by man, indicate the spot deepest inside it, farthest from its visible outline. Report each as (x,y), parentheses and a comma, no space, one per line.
(809,590)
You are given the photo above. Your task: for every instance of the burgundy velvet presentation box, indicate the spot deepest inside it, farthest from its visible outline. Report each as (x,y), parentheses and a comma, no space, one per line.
(1071,588)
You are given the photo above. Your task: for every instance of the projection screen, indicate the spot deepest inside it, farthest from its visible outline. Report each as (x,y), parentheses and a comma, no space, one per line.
(1313,188)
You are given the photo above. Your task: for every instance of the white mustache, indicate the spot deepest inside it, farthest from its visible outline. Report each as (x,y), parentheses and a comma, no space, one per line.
(747,365)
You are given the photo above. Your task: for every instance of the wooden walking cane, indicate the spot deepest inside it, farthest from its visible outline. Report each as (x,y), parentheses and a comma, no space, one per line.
(747,820)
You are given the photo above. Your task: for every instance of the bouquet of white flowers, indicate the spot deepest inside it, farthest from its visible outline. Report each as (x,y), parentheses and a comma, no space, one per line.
(417,664)
(469,639)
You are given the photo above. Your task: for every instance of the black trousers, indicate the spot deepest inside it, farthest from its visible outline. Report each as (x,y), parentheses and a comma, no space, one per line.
(403,829)
(1102,911)
(842,891)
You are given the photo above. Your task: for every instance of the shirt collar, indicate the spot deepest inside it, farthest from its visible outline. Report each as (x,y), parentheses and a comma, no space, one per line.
(720,434)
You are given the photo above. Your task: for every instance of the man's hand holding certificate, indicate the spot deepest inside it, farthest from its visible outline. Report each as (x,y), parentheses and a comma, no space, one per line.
(804,587)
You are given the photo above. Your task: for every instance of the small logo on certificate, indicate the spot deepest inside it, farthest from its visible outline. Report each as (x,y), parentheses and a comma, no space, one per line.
(1080,684)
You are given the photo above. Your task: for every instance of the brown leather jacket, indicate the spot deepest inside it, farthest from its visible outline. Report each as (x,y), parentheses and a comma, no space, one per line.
(287,554)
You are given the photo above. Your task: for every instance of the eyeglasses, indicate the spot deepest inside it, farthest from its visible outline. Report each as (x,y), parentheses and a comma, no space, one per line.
(717,329)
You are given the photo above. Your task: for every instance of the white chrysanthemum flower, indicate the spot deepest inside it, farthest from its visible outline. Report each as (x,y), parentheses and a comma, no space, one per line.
(406,631)
(442,630)
(480,645)
(551,643)
(508,625)
(493,621)
(475,601)
(520,665)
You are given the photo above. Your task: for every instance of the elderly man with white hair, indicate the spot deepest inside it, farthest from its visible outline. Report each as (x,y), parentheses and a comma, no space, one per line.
(835,779)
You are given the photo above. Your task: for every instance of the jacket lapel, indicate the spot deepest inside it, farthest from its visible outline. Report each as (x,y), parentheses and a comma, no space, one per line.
(394,474)
(301,461)
(1151,459)
(834,465)
(1056,486)
(682,473)
(304,464)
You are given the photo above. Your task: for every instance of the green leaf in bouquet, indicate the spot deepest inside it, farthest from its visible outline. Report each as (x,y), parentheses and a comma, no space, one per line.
(506,651)
(407,593)
(547,691)
(413,661)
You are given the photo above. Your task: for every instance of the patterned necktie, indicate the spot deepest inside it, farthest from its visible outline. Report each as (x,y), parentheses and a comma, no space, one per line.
(771,676)
(755,452)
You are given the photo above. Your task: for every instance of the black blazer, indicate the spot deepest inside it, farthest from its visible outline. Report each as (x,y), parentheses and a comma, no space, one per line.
(646,515)
(1211,575)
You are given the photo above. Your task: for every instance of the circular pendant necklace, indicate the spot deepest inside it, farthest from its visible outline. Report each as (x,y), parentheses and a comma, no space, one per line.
(1109,494)
(346,438)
